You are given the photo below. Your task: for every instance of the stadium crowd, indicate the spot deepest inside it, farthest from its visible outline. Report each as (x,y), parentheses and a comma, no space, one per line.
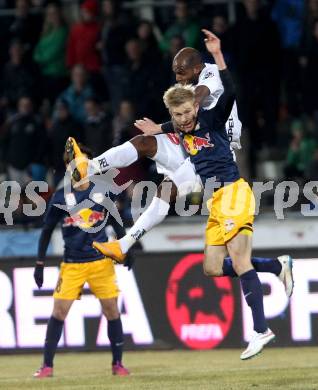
(91,78)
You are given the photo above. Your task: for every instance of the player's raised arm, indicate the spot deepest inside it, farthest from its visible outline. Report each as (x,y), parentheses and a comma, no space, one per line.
(213,46)
(225,103)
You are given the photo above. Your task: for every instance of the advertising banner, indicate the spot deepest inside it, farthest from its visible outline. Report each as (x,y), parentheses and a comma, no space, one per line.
(166,302)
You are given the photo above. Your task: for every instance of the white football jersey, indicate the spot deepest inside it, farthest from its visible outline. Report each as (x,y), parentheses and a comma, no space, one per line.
(210,77)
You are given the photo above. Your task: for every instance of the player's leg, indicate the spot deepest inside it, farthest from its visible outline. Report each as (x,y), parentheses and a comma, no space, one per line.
(116,157)
(101,278)
(54,329)
(53,334)
(281,266)
(164,149)
(183,181)
(216,264)
(239,248)
(127,153)
(68,288)
(115,334)
(154,215)
(213,262)
(230,223)
(156,212)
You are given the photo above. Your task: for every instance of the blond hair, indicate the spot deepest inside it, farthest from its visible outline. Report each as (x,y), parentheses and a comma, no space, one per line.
(178,94)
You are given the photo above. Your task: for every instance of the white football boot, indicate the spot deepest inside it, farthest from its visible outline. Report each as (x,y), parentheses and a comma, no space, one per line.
(257,343)
(286,275)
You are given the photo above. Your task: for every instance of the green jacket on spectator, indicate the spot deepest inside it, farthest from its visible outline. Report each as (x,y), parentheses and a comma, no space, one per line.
(189,31)
(302,156)
(49,52)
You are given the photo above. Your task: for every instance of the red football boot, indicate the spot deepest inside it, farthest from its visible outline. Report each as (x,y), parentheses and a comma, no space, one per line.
(119,369)
(44,372)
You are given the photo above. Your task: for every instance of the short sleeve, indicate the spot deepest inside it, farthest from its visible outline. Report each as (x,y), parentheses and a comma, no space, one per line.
(210,78)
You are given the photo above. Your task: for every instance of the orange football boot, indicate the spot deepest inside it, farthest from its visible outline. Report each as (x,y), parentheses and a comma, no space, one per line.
(110,249)
(73,152)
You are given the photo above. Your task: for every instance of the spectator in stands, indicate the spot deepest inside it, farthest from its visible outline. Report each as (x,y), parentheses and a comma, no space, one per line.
(289,17)
(97,127)
(63,126)
(220,27)
(25,26)
(256,52)
(77,93)
(123,128)
(176,44)
(301,151)
(18,77)
(142,81)
(149,42)
(184,25)
(116,30)
(83,39)
(49,53)
(25,144)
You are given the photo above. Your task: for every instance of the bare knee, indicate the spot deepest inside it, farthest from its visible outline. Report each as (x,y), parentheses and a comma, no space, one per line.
(60,313)
(239,262)
(213,267)
(240,255)
(110,309)
(213,260)
(146,145)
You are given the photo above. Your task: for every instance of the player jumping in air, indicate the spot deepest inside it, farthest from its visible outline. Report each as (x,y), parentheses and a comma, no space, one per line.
(230,224)
(81,264)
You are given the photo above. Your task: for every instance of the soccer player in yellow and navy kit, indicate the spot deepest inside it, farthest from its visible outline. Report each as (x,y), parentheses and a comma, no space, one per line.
(232,207)
(81,264)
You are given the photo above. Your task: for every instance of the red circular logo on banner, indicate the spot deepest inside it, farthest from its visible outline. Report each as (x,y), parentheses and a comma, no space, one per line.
(200,308)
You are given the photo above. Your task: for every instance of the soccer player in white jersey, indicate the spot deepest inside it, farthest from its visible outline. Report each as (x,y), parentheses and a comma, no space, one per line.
(189,69)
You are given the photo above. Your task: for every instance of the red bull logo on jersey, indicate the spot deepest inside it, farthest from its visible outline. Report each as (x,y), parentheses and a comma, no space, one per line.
(194,144)
(85,218)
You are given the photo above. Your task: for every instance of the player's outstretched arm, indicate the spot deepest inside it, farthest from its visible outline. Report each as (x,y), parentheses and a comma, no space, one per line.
(147,126)
(213,46)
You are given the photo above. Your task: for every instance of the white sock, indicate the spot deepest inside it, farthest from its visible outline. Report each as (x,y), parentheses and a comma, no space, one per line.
(155,214)
(117,157)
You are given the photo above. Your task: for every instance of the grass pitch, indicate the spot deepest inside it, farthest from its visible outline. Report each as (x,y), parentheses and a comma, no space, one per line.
(275,368)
